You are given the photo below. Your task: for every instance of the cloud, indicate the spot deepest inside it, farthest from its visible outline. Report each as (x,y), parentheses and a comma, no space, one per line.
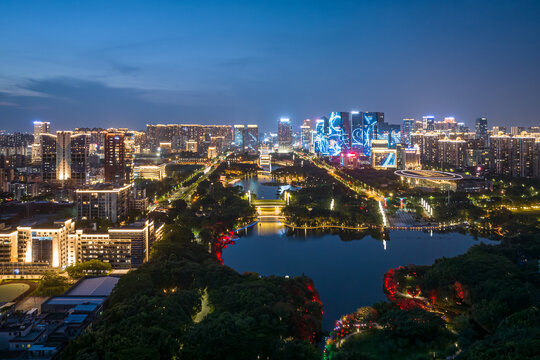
(7,103)
(70,103)
(123,68)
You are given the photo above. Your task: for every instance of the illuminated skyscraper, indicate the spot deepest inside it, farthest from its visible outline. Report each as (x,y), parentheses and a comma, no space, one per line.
(390,133)
(252,139)
(369,129)
(284,135)
(335,126)
(40,127)
(239,136)
(116,167)
(306,134)
(63,155)
(48,157)
(346,132)
(452,153)
(406,130)
(500,150)
(321,142)
(481,128)
(357,132)
(523,156)
(428,123)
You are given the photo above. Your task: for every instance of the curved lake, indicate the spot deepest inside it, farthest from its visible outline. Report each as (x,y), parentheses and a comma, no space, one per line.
(347,274)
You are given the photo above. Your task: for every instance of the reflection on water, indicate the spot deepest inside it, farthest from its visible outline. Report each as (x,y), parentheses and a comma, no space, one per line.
(347,274)
(255,185)
(270,228)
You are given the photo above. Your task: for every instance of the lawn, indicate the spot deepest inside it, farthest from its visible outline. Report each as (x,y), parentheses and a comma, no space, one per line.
(10,291)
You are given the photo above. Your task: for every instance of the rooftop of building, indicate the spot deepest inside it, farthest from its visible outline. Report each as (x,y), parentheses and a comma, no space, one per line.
(76,318)
(85,308)
(58,224)
(134,226)
(74,300)
(429,175)
(30,337)
(42,347)
(103,187)
(93,286)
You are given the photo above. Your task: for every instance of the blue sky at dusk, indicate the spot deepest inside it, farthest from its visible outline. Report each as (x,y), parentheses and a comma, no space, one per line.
(129,63)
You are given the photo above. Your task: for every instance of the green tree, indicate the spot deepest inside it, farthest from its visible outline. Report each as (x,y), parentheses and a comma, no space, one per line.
(51,284)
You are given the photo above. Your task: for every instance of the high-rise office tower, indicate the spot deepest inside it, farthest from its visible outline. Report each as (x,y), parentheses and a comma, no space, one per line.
(48,157)
(284,135)
(428,123)
(63,155)
(80,166)
(115,158)
(346,131)
(320,140)
(357,131)
(40,127)
(335,134)
(389,132)
(71,157)
(239,136)
(406,130)
(252,139)
(306,134)
(481,128)
(370,121)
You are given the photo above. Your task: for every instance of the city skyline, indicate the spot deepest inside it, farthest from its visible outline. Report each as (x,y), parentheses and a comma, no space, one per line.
(150,63)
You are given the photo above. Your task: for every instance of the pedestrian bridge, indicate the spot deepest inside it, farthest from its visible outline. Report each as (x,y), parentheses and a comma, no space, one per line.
(269,209)
(268,203)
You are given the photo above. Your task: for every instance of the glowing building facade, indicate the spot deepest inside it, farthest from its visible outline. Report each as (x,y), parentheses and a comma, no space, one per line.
(321,142)
(40,127)
(335,136)
(252,139)
(382,156)
(284,135)
(239,136)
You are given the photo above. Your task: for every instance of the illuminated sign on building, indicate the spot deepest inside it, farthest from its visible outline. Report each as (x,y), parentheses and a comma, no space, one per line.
(334,134)
(369,131)
(321,145)
(384,158)
(357,130)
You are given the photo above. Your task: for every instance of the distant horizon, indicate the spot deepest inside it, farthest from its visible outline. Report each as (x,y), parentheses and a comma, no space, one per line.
(295,124)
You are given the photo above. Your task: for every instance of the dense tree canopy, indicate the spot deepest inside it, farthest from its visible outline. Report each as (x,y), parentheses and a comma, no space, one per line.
(151,312)
(90,267)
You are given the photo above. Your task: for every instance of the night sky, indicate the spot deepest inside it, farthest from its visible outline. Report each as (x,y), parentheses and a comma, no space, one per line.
(129,63)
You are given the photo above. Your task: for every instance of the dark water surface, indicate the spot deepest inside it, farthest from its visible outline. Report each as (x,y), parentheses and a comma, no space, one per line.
(347,274)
